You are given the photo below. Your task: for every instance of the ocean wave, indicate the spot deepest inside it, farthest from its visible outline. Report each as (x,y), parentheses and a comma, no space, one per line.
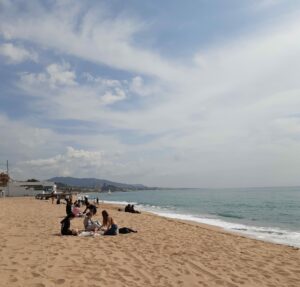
(118,202)
(230,215)
(271,234)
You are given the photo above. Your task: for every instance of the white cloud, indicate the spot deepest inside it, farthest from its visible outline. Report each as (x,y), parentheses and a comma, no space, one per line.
(110,98)
(79,155)
(227,115)
(60,74)
(32,152)
(110,83)
(72,162)
(20,140)
(137,84)
(264,4)
(15,54)
(288,126)
(57,91)
(55,75)
(85,36)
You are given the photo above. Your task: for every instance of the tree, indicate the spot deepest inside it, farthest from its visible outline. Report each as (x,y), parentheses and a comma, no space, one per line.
(4,179)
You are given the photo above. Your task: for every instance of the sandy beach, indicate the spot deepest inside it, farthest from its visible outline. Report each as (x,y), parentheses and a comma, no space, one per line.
(164,252)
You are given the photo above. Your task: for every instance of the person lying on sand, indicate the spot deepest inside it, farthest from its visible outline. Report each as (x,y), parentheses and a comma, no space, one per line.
(124,230)
(89,224)
(65,226)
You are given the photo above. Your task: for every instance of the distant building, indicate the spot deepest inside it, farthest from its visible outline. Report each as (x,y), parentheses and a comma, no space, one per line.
(25,188)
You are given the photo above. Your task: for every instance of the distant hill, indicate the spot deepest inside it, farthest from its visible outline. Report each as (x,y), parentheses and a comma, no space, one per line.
(96,183)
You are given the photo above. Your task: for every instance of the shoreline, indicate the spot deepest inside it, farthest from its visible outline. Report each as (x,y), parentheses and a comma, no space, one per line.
(164,252)
(194,220)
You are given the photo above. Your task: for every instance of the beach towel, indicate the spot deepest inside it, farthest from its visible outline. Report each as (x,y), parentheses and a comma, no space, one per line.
(88,234)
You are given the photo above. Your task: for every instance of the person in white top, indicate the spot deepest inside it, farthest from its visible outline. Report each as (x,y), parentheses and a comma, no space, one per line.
(89,224)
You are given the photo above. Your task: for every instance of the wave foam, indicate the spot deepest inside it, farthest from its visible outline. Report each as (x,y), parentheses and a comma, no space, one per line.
(275,235)
(271,234)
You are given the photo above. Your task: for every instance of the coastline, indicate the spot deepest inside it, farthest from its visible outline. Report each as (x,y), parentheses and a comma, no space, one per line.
(250,212)
(164,252)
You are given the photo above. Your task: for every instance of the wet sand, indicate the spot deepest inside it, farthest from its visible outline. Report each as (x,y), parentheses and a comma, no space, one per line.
(164,252)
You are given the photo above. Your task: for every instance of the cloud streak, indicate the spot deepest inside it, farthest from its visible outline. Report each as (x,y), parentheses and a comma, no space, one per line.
(16,55)
(92,36)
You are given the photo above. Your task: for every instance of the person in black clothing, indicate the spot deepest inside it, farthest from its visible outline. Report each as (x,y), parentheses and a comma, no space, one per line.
(91,207)
(133,210)
(65,226)
(127,208)
(69,205)
(124,230)
(130,208)
(77,203)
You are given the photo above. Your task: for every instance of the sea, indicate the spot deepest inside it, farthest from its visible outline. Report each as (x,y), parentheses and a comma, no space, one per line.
(270,214)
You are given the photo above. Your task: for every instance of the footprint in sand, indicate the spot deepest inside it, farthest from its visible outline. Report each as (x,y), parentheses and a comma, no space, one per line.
(13,280)
(34,274)
(59,281)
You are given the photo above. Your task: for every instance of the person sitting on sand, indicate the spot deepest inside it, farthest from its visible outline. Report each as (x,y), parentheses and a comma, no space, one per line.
(76,211)
(127,208)
(89,224)
(65,226)
(109,225)
(130,208)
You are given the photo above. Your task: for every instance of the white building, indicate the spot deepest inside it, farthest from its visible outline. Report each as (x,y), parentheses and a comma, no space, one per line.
(25,188)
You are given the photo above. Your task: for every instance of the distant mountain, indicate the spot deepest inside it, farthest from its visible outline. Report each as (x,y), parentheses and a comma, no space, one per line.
(96,183)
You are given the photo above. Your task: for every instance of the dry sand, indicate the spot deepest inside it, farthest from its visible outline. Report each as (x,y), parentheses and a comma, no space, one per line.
(164,252)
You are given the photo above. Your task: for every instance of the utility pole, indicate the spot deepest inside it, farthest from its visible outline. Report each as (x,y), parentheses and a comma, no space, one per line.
(8,177)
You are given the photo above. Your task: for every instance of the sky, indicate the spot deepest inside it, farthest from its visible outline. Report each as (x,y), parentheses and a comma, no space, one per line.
(198,93)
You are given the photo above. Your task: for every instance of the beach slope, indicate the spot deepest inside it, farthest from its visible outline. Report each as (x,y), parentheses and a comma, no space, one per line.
(164,252)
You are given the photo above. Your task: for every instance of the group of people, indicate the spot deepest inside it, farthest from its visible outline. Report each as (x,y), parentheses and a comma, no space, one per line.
(130,208)
(108,225)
